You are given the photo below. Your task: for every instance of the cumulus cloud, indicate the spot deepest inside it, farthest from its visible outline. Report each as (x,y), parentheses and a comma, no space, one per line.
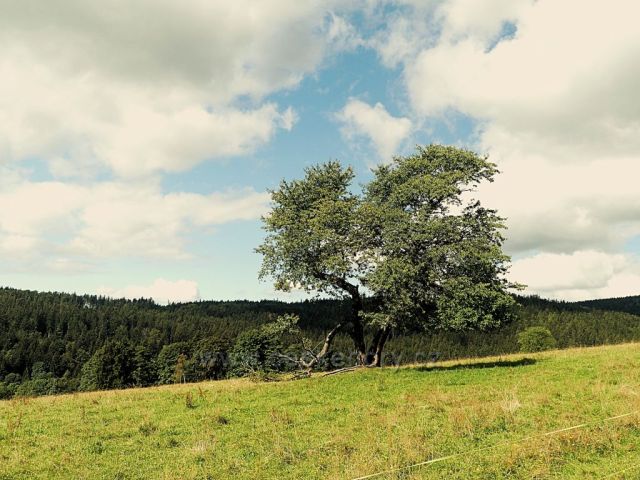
(581,275)
(547,84)
(376,124)
(146,87)
(342,35)
(481,22)
(161,291)
(557,107)
(83,122)
(239,48)
(129,91)
(405,30)
(113,219)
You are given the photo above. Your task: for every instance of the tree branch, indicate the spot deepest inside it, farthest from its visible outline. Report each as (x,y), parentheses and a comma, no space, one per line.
(326,347)
(339,282)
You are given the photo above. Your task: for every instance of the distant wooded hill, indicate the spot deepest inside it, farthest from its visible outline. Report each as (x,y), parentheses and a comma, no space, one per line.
(619,304)
(57,342)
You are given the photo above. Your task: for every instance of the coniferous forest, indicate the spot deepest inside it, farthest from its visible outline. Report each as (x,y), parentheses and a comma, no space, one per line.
(57,342)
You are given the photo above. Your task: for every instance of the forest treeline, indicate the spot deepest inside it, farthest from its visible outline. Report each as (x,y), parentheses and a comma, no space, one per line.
(56,342)
(618,304)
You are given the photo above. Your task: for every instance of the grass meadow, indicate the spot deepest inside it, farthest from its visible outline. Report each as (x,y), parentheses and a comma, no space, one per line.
(490,413)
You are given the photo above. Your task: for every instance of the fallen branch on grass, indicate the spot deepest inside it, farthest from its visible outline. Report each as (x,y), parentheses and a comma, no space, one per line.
(342,370)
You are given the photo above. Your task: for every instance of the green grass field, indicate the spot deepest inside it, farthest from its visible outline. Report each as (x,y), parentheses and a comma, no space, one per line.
(491,411)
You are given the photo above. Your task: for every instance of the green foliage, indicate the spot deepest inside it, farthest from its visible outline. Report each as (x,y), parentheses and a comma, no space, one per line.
(145,369)
(168,361)
(116,366)
(428,257)
(438,258)
(283,325)
(41,382)
(33,388)
(111,366)
(76,327)
(464,305)
(89,379)
(9,386)
(313,233)
(261,350)
(622,304)
(536,339)
(7,390)
(210,358)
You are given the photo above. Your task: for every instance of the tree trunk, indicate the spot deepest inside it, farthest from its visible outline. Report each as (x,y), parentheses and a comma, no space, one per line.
(326,347)
(380,339)
(357,306)
(357,330)
(371,353)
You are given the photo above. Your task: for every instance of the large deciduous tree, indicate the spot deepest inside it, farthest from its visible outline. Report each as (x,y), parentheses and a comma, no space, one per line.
(414,239)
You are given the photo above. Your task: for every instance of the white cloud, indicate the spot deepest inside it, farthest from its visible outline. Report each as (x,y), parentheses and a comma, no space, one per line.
(161,291)
(565,206)
(581,275)
(382,129)
(343,35)
(548,81)
(128,91)
(479,21)
(113,219)
(82,123)
(144,87)
(558,109)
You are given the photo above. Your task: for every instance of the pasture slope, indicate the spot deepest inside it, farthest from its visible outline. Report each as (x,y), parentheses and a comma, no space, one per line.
(490,413)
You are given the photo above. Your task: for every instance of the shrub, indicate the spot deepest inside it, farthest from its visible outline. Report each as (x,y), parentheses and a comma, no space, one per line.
(145,371)
(89,374)
(211,358)
(536,339)
(255,350)
(37,387)
(111,366)
(7,390)
(167,362)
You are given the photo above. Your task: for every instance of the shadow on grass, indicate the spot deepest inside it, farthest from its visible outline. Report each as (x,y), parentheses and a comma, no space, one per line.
(481,364)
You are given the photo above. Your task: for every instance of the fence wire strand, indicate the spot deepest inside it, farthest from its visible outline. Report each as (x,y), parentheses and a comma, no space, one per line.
(503,444)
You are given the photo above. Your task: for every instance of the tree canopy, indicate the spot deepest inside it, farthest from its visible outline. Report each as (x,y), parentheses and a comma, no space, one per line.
(413,245)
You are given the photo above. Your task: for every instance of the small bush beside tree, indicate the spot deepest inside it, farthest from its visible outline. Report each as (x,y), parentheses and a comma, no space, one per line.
(256,351)
(536,339)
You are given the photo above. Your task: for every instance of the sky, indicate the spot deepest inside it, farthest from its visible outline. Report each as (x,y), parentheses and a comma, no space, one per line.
(138,139)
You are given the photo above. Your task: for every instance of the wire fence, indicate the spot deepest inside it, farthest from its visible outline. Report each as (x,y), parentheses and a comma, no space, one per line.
(504,444)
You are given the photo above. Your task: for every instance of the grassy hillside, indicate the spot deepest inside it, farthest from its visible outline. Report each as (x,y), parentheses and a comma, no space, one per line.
(346,426)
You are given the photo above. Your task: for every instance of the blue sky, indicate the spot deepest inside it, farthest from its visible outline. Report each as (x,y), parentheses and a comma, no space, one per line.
(135,162)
